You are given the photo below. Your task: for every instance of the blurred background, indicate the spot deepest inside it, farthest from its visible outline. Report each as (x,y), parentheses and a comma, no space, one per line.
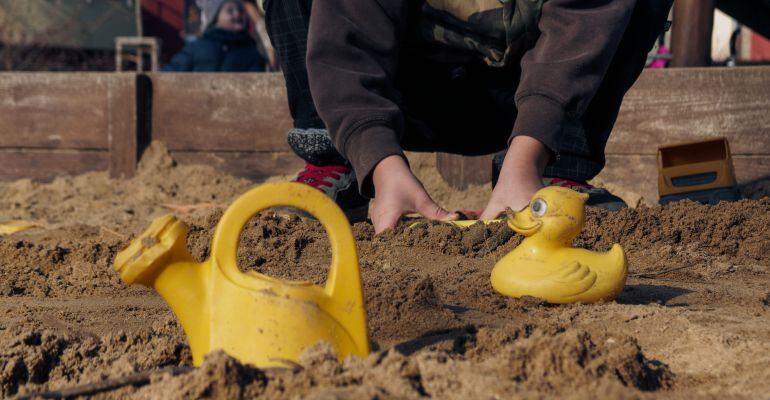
(102,35)
(109,35)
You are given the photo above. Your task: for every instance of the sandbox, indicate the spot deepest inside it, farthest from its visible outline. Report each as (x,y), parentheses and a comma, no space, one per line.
(693,320)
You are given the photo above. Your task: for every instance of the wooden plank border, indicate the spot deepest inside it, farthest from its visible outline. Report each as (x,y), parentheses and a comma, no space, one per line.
(78,120)
(46,164)
(671,106)
(55,110)
(682,104)
(237,122)
(220,112)
(127,130)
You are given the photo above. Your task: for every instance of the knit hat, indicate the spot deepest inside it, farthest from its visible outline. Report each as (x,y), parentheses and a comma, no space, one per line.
(210,10)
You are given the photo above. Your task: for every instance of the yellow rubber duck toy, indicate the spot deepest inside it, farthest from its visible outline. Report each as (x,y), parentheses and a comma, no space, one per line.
(546,266)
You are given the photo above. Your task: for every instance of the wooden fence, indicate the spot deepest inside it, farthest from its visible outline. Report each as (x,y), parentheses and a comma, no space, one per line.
(60,123)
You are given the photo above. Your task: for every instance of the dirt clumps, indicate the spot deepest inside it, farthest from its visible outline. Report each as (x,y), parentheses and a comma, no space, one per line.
(734,229)
(42,267)
(402,305)
(220,377)
(119,206)
(692,321)
(33,360)
(492,365)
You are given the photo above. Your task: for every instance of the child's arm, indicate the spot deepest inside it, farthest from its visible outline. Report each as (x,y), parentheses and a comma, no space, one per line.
(353,49)
(182,61)
(559,78)
(520,177)
(352,58)
(563,71)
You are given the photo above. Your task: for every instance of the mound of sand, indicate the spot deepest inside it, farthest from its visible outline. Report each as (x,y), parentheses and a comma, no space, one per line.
(692,321)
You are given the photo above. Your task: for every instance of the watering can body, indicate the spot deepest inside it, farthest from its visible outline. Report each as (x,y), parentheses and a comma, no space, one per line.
(258,319)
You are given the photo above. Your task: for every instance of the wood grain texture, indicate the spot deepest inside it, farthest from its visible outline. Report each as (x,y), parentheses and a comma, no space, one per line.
(672,106)
(122,128)
(675,105)
(691,34)
(639,173)
(48,164)
(220,112)
(462,171)
(56,110)
(251,165)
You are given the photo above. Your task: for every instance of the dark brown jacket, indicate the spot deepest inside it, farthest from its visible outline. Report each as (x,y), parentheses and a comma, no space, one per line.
(355,49)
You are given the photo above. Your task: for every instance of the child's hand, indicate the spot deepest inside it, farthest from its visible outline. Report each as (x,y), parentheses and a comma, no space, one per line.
(398,192)
(520,176)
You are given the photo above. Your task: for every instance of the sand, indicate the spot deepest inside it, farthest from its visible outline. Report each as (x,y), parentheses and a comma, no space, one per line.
(693,321)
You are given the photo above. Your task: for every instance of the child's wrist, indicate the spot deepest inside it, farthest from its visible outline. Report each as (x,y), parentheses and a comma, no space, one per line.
(389,167)
(529,153)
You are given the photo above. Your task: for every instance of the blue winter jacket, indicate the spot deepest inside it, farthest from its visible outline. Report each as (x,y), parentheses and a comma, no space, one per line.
(218,50)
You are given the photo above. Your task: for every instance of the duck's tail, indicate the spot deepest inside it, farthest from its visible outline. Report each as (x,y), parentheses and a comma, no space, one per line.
(619,271)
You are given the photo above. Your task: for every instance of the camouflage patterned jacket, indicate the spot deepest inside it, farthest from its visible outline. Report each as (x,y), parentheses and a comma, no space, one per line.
(494,28)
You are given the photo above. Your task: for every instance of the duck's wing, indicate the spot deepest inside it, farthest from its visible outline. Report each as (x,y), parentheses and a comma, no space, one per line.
(569,280)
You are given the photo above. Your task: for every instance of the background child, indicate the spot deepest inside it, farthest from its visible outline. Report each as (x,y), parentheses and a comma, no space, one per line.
(225,44)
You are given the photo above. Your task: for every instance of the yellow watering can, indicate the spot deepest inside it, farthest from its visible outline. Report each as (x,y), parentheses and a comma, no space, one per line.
(257,319)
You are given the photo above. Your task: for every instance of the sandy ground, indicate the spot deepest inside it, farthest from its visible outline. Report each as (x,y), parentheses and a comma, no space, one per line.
(693,321)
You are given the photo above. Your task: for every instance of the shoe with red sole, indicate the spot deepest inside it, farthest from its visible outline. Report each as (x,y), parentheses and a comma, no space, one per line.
(339,183)
(597,197)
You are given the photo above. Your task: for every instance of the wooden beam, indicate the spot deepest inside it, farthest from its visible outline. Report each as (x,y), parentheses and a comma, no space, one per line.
(691,36)
(125,129)
(461,171)
(667,107)
(676,105)
(220,112)
(86,112)
(251,165)
(54,110)
(46,164)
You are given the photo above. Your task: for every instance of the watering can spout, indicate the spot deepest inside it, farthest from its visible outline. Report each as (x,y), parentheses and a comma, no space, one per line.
(159,259)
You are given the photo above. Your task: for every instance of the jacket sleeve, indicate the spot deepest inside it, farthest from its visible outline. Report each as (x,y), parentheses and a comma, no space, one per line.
(182,61)
(353,48)
(563,71)
(259,63)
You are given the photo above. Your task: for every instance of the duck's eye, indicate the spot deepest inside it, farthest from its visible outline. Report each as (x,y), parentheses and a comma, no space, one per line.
(539,207)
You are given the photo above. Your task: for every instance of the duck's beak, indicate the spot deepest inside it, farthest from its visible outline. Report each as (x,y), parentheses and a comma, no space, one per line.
(524,223)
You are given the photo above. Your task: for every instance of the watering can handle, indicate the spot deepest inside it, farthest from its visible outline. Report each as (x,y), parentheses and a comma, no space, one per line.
(343,284)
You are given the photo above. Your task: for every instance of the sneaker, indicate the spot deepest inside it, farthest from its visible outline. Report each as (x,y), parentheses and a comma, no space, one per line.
(339,183)
(597,197)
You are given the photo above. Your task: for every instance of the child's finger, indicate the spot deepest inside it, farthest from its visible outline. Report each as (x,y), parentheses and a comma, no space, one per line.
(385,221)
(432,210)
(491,212)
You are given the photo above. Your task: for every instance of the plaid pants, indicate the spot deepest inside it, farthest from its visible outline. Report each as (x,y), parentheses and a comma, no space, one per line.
(287,25)
(473,114)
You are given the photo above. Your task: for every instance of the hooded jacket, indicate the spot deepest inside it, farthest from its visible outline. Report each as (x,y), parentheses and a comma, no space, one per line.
(219,50)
